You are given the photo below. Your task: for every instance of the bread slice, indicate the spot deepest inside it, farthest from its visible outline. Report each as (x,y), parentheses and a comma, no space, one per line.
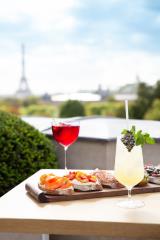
(55,185)
(85,187)
(107,179)
(58,191)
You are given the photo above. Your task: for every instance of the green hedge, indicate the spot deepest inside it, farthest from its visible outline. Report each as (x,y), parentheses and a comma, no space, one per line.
(72,108)
(23,151)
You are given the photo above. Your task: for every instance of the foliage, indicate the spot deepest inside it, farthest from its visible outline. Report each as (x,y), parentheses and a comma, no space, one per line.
(144,107)
(145,98)
(145,91)
(156,93)
(8,106)
(95,108)
(109,108)
(72,108)
(138,109)
(140,137)
(153,112)
(30,101)
(32,106)
(46,110)
(24,150)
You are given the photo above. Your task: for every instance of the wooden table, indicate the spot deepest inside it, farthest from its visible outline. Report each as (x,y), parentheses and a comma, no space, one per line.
(96,217)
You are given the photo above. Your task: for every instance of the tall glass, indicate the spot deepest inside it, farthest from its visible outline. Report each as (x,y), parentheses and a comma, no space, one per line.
(65,133)
(129,171)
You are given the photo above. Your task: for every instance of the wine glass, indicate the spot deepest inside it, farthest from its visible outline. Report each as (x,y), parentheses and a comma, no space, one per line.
(129,171)
(65,132)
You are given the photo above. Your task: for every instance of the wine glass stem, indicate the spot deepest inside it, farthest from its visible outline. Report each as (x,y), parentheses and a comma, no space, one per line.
(129,193)
(65,153)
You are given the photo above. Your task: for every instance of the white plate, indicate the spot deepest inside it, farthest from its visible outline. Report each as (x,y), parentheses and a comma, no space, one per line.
(155,180)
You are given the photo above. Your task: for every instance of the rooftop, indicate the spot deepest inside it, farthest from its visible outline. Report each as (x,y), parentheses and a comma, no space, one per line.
(85,96)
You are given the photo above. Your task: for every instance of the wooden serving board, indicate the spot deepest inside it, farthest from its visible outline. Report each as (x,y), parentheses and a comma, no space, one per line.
(40,196)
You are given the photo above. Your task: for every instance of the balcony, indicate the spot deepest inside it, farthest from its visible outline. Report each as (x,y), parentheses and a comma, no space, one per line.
(95,147)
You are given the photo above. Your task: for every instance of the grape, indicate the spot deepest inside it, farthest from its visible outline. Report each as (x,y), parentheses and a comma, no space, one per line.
(128,140)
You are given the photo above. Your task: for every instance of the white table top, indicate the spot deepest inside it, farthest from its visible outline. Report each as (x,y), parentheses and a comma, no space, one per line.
(20,213)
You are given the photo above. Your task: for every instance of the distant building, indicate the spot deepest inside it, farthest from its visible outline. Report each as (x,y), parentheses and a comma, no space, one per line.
(128,91)
(46,97)
(23,89)
(80,96)
(104,93)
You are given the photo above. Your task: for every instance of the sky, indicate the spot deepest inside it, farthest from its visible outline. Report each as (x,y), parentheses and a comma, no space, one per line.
(76,45)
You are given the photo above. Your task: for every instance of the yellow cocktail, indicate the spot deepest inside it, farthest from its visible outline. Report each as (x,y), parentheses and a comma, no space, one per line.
(129,168)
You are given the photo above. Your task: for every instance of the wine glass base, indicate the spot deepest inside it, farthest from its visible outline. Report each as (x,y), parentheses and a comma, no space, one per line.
(131,204)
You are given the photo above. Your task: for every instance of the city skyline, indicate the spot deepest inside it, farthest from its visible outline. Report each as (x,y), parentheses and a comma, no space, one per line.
(73,45)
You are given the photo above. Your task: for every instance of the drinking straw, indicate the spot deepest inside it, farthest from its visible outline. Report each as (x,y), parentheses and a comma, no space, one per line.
(127,115)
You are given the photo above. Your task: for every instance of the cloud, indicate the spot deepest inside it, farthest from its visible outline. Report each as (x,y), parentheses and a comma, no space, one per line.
(77,67)
(43,15)
(78,44)
(72,67)
(138,38)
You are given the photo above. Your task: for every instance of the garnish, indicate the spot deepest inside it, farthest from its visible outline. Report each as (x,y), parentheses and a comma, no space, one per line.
(133,138)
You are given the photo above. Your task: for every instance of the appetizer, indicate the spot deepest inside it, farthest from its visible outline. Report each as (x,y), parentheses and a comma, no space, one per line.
(55,185)
(107,179)
(84,182)
(153,171)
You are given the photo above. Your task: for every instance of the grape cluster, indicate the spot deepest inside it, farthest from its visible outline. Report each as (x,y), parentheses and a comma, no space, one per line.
(128,140)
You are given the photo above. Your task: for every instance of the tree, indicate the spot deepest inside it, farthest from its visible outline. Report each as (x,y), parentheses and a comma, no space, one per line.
(154,112)
(156,93)
(72,108)
(143,103)
(145,91)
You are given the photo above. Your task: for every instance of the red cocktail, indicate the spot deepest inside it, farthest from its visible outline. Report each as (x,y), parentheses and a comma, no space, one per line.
(65,133)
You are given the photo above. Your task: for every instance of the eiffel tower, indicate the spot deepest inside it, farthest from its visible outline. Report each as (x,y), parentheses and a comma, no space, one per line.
(23,90)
